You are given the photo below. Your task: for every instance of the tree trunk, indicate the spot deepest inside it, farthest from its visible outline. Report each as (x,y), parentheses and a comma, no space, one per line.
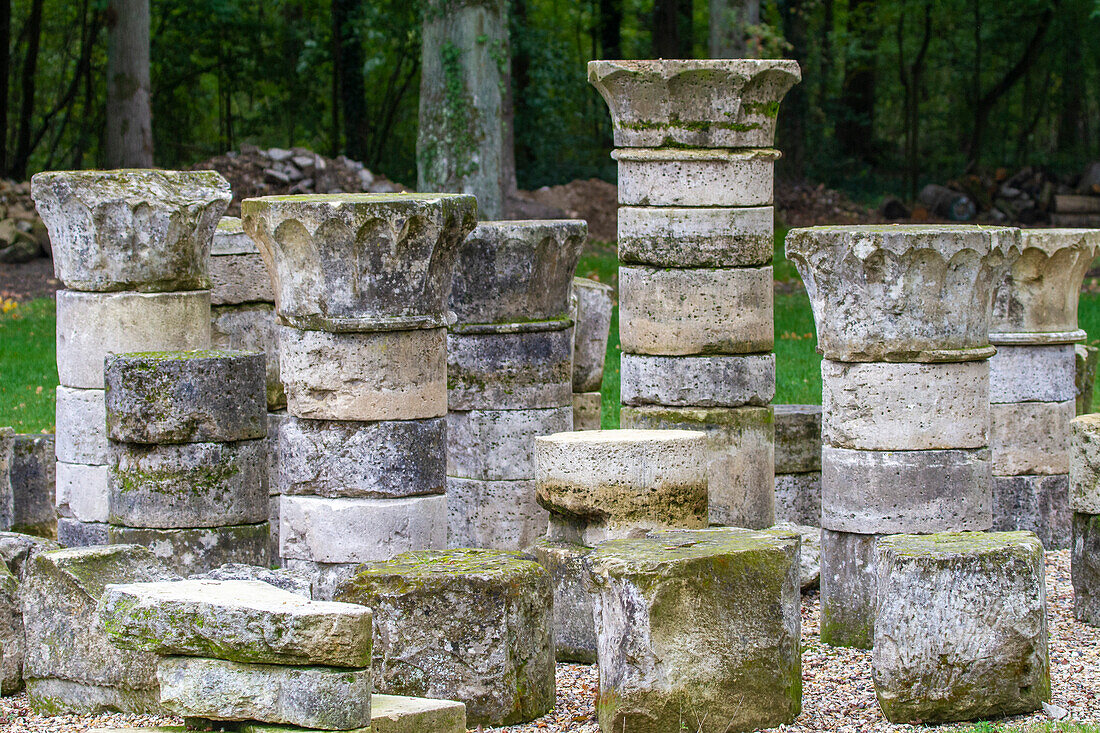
(855,125)
(129,140)
(611,29)
(792,122)
(461,141)
(5,40)
(353,99)
(33,31)
(729,20)
(666,29)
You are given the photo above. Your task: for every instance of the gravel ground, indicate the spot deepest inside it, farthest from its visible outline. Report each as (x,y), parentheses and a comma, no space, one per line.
(837,692)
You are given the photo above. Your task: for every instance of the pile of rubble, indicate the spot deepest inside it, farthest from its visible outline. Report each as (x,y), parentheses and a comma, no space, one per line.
(254,172)
(23,237)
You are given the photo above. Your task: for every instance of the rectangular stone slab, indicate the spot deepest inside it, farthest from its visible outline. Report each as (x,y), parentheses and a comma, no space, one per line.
(592,309)
(327,698)
(574,628)
(390,714)
(1085,568)
(847,589)
(199,549)
(236,620)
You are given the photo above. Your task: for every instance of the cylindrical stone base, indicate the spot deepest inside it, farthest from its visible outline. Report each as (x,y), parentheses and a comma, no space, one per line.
(510,370)
(847,589)
(698,381)
(499,445)
(250,327)
(1031,437)
(498,515)
(1038,504)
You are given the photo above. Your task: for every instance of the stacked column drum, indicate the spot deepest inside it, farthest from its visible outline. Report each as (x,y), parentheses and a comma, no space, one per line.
(361,288)
(509,375)
(1032,381)
(903,324)
(187,469)
(693,144)
(131,248)
(592,308)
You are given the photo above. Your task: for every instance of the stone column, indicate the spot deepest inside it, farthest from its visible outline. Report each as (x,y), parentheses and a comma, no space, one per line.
(361,288)
(242,317)
(132,248)
(592,306)
(1084,499)
(509,371)
(693,142)
(798,465)
(187,457)
(1032,381)
(902,317)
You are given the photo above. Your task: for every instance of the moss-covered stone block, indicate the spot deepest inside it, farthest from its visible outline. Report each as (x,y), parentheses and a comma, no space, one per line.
(961,626)
(698,630)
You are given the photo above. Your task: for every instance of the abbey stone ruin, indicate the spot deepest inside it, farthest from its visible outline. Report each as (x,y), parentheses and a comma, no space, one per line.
(337,465)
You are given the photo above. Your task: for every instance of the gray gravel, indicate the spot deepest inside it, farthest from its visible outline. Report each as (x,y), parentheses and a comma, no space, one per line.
(837,691)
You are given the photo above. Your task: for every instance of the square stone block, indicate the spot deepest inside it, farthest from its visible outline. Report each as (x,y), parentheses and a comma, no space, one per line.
(501,515)
(960,627)
(33,478)
(797,438)
(1038,504)
(698,630)
(798,498)
(467,625)
(574,627)
(1031,437)
(201,549)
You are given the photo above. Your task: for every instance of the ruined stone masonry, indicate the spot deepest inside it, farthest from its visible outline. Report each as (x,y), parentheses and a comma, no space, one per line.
(693,144)
(610,484)
(1033,381)
(132,249)
(592,307)
(1084,504)
(187,449)
(798,465)
(509,375)
(361,285)
(903,316)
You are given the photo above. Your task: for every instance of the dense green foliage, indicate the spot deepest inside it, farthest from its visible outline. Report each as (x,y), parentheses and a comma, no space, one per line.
(894,93)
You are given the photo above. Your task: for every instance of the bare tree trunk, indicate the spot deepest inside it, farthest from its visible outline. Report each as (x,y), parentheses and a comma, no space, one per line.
(129,142)
(729,20)
(792,123)
(349,65)
(26,109)
(5,49)
(856,125)
(611,29)
(910,75)
(460,144)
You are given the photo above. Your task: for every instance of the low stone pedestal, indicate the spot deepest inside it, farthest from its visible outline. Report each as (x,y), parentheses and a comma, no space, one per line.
(467,625)
(698,629)
(961,629)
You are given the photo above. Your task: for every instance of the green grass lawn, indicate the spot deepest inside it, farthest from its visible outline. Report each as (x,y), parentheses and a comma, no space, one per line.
(28,372)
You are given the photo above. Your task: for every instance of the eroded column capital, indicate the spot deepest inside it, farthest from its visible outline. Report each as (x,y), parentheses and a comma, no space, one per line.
(360,262)
(902,293)
(143,230)
(1036,300)
(709,103)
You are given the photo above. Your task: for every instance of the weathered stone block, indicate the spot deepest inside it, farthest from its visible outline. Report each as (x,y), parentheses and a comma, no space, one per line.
(739,457)
(696,237)
(882,406)
(516,271)
(250,327)
(593,304)
(1038,504)
(1085,568)
(676,311)
(81,492)
(1040,293)
(388,375)
(342,459)
(719,103)
(497,445)
(59,596)
(797,439)
(883,492)
(360,530)
(32,484)
(273,521)
(961,628)
(17,550)
(1086,358)
(698,381)
(902,293)
(510,371)
(325,578)
(586,411)
(236,620)
(326,698)
(798,498)
(574,627)
(848,589)
(698,629)
(494,606)
(7,498)
(619,483)
(1031,437)
(187,485)
(360,262)
(288,580)
(809,562)
(237,271)
(399,714)
(12,640)
(92,325)
(81,425)
(190,551)
(74,533)
(146,230)
(1084,464)
(186,396)
(1032,374)
(695,177)
(274,422)
(501,515)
